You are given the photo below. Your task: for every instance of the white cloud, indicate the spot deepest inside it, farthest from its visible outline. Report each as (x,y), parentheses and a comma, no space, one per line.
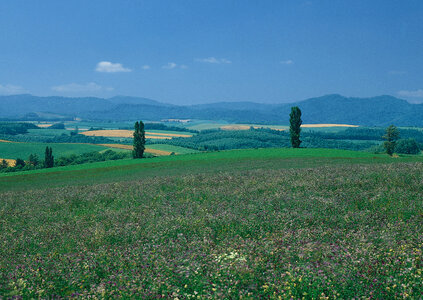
(183,66)
(214,60)
(81,88)
(146,67)
(287,62)
(411,94)
(109,67)
(170,65)
(10,89)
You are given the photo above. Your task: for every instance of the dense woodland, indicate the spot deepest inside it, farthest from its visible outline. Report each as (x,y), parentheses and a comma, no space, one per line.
(7,128)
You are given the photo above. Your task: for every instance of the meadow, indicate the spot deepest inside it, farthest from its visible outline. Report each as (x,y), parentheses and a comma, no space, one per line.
(208,162)
(267,223)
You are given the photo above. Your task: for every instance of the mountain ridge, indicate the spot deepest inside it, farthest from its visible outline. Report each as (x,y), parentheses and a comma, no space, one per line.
(333,108)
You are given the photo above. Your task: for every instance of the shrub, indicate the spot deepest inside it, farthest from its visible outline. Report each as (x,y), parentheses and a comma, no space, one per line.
(407,146)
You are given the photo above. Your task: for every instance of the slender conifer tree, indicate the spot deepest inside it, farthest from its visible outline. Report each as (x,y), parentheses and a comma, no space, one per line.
(139,140)
(391,137)
(49,158)
(295,126)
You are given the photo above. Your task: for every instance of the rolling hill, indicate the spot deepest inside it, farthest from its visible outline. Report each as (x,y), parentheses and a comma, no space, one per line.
(375,111)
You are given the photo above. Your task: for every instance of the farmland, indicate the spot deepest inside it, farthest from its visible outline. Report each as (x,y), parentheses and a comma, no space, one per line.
(156,149)
(28,138)
(23,150)
(129,134)
(11,150)
(253,223)
(271,222)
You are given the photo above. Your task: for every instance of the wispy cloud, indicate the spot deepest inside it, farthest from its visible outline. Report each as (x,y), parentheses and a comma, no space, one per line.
(397,72)
(213,60)
(411,94)
(172,65)
(146,67)
(81,88)
(10,89)
(287,62)
(109,67)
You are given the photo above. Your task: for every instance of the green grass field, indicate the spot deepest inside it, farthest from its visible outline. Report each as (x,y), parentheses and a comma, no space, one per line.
(223,161)
(23,150)
(172,148)
(266,223)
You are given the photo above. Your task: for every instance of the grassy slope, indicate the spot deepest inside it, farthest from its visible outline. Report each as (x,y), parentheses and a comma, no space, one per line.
(123,170)
(172,148)
(258,224)
(23,150)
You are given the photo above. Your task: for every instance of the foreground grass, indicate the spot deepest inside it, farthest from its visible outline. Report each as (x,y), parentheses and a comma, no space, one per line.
(331,231)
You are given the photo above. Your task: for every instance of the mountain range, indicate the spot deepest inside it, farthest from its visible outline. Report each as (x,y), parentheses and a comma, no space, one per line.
(334,108)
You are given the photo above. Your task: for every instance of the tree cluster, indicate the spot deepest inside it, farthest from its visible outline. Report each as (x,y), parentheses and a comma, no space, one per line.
(33,161)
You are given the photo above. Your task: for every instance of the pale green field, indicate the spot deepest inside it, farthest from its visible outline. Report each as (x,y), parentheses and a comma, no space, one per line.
(23,150)
(171,148)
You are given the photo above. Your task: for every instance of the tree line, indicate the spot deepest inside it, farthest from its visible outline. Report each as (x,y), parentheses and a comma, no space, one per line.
(34,162)
(392,142)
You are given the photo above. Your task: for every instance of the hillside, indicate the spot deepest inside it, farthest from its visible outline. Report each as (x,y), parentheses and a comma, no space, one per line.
(206,162)
(375,111)
(273,223)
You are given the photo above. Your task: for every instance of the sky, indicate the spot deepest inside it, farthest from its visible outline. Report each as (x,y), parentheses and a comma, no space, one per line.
(191,52)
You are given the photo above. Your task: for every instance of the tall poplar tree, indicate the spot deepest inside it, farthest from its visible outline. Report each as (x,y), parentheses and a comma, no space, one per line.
(295,126)
(391,137)
(139,140)
(49,158)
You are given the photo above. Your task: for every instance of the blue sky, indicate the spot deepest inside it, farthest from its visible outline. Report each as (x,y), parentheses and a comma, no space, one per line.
(188,52)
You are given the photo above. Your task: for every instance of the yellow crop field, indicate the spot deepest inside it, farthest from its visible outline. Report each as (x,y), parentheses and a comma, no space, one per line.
(158,137)
(10,162)
(168,134)
(129,134)
(44,125)
(326,125)
(118,146)
(5,141)
(157,152)
(235,127)
(246,127)
(130,147)
(109,133)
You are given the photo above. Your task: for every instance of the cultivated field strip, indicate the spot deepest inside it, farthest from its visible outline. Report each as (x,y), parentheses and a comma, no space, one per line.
(10,162)
(129,134)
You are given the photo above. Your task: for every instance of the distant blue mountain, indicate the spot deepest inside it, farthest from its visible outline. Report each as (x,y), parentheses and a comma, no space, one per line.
(374,111)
